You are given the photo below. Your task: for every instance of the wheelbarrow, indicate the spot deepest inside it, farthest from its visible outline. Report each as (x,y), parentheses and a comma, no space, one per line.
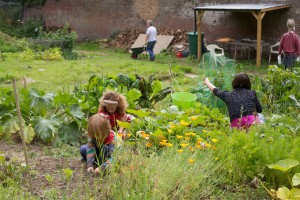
(137,51)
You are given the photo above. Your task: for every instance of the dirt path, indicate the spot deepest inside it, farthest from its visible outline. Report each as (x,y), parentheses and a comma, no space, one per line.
(50,161)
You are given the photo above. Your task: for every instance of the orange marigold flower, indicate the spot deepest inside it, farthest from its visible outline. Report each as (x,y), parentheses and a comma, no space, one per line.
(120,134)
(149,144)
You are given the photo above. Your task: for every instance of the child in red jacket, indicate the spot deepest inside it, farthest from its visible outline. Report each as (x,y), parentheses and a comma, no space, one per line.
(113,106)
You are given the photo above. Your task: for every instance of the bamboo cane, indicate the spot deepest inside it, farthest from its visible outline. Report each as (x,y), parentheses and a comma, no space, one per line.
(22,135)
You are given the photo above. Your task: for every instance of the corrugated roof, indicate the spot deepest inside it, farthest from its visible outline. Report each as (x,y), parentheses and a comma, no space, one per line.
(243,7)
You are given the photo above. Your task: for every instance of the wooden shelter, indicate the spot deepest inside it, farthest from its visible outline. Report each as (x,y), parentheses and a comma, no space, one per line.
(257,10)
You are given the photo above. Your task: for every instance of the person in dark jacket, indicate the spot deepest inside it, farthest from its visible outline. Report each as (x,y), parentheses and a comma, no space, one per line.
(241,102)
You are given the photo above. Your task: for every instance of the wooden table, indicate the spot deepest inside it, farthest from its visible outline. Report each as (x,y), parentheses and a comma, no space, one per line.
(248,45)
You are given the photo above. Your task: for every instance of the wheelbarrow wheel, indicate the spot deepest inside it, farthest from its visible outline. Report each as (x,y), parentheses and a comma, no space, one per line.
(134,56)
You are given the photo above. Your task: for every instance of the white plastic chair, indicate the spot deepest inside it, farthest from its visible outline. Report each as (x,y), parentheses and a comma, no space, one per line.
(274,50)
(217,54)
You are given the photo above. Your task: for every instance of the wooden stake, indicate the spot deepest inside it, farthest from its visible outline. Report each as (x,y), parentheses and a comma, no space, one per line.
(22,135)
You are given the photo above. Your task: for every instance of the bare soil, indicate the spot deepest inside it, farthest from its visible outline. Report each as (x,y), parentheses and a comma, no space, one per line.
(43,163)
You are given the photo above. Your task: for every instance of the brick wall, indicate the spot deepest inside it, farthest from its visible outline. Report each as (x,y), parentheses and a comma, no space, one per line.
(93,19)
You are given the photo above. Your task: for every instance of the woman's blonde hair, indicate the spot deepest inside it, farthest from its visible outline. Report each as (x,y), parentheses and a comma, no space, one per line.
(290,24)
(98,127)
(113,96)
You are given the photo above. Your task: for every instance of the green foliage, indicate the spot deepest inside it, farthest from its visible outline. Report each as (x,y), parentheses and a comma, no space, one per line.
(10,173)
(277,86)
(11,44)
(48,117)
(138,90)
(284,192)
(47,55)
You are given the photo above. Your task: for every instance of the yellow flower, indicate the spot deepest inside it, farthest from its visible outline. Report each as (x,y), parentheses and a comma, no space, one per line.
(199,139)
(192,134)
(164,141)
(169,144)
(170,131)
(191,161)
(149,144)
(179,137)
(194,118)
(172,126)
(184,123)
(216,158)
(129,134)
(187,138)
(180,150)
(207,145)
(214,140)
(187,134)
(198,146)
(204,131)
(183,145)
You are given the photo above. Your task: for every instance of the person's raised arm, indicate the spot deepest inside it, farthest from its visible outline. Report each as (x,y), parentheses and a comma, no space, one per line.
(209,84)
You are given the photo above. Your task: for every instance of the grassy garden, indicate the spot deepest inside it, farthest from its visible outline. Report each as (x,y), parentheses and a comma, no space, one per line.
(170,153)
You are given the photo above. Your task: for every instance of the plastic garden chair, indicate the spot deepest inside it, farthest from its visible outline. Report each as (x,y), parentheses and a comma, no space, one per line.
(274,50)
(217,54)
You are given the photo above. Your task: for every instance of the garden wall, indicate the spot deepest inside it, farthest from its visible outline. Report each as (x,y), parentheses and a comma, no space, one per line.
(94,19)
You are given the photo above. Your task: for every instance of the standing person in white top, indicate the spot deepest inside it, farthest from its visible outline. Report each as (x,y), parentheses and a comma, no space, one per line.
(150,39)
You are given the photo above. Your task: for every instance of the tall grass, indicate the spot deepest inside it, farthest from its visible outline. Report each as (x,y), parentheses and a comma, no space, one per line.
(168,175)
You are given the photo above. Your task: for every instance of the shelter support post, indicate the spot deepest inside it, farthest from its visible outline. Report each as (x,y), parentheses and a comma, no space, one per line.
(199,17)
(259,16)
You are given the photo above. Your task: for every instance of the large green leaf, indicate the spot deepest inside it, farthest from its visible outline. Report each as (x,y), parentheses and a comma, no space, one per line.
(133,95)
(38,97)
(70,134)
(11,125)
(296,179)
(40,102)
(28,134)
(44,128)
(156,86)
(76,112)
(295,193)
(124,124)
(284,165)
(139,113)
(64,99)
(283,193)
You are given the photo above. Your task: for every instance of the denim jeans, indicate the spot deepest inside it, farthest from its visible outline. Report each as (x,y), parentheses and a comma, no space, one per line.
(150,47)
